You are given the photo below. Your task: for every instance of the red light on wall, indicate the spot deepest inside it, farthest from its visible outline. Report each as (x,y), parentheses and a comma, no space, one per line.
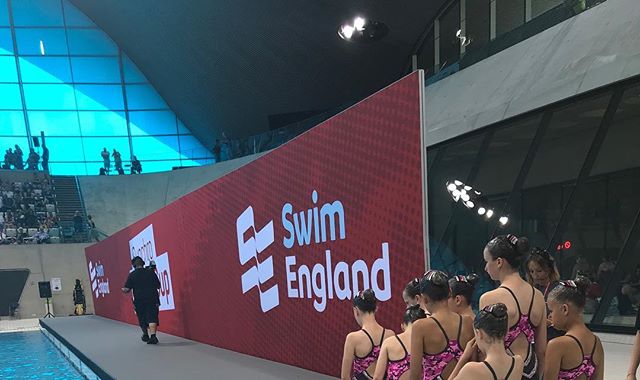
(567,244)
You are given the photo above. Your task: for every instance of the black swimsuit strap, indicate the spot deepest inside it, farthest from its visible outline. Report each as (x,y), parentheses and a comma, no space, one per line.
(406,353)
(515,299)
(513,364)
(595,345)
(577,341)
(369,336)
(382,338)
(495,377)
(441,329)
(459,327)
(533,297)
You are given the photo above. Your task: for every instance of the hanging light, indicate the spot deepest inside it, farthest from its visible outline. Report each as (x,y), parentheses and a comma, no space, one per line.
(503,220)
(451,187)
(469,204)
(489,214)
(481,210)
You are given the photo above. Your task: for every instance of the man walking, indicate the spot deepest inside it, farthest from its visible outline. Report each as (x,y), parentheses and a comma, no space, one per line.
(145,285)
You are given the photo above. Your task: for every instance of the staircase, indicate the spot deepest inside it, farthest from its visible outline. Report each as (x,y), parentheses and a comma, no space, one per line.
(69,201)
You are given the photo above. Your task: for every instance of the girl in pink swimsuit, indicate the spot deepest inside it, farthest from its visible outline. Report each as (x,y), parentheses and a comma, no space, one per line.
(362,347)
(566,355)
(462,288)
(394,357)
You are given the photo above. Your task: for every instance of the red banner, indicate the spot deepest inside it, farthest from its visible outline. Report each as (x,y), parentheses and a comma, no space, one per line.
(265,260)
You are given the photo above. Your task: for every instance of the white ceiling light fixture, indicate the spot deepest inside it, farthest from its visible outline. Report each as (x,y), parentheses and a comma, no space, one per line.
(481,210)
(489,214)
(347,31)
(358,23)
(503,220)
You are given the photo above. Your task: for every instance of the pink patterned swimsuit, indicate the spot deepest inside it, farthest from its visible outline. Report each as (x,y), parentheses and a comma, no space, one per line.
(360,365)
(526,328)
(434,364)
(397,368)
(587,367)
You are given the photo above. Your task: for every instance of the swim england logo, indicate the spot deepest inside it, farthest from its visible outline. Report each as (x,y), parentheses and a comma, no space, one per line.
(248,250)
(99,283)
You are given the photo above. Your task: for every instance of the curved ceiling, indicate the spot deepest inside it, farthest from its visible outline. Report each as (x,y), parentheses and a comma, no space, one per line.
(224,66)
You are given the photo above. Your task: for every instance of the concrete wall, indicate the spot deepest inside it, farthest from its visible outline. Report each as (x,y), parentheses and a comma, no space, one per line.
(118,201)
(593,49)
(66,261)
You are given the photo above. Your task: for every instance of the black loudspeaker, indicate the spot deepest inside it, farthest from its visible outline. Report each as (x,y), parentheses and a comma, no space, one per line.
(45,289)
(36,142)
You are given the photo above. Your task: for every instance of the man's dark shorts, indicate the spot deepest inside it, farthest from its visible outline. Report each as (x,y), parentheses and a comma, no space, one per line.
(147,312)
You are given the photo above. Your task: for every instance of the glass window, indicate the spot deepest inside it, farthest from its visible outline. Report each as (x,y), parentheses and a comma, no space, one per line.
(449,42)
(99,97)
(509,15)
(93,146)
(182,128)
(426,57)
(54,123)
(12,123)
(541,210)
(620,147)
(45,69)
(37,13)
(103,123)
(49,96)
(35,41)
(191,148)
(74,17)
(73,168)
(145,123)
(95,70)
(6,43)
(11,141)
(10,98)
(8,72)
(567,141)
(65,149)
(159,166)
(155,147)
(477,23)
(4,13)
(143,97)
(538,7)
(131,72)
(90,42)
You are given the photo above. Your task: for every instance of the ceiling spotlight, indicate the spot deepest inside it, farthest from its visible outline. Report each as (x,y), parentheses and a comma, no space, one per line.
(489,214)
(362,30)
(477,192)
(465,197)
(458,183)
(358,23)
(482,210)
(467,187)
(346,31)
(469,204)
(503,220)
(451,187)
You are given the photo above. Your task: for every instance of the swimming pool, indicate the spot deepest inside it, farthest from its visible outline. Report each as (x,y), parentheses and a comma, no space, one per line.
(30,355)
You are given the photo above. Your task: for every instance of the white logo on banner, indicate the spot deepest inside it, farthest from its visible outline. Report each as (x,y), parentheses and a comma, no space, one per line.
(322,281)
(144,245)
(249,249)
(99,283)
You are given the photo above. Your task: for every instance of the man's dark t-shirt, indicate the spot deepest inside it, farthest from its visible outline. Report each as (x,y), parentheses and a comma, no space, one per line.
(145,285)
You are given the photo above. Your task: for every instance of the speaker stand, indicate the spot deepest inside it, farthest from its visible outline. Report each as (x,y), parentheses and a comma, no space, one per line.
(48,315)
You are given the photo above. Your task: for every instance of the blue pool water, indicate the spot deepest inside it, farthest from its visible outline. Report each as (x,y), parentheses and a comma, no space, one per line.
(30,355)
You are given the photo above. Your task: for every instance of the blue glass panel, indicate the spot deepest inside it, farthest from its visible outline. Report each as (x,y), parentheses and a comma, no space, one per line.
(8,72)
(103,123)
(155,147)
(191,148)
(144,97)
(90,42)
(73,168)
(131,72)
(49,96)
(95,70)
(54,123)
(182,128)
(11,124)
(6,43)
(99,97)
(65,149)
(10,97)
(10,142)
(4,14)
(93,147)
(159,166)
(144,123)
(74,17)
(37,13)
(45,69)
(53,41)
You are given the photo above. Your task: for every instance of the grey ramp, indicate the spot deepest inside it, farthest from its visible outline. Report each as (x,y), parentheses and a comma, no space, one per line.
(116,348)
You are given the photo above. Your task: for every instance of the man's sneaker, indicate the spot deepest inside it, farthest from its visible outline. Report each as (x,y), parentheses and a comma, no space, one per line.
(145,337)
(153,340)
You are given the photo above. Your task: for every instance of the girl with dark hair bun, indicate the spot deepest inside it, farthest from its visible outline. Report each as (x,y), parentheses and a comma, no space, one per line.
(411,293)
(462,288)
(360,349)
(525,304)
(578,354)
(437,341)
(394,357)
(543,275)
(490,327)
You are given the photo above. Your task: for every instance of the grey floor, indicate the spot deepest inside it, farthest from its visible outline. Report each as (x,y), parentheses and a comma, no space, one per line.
(116,348)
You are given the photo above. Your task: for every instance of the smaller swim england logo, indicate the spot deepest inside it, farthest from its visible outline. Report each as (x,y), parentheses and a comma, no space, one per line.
(249,249)
(99,283)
